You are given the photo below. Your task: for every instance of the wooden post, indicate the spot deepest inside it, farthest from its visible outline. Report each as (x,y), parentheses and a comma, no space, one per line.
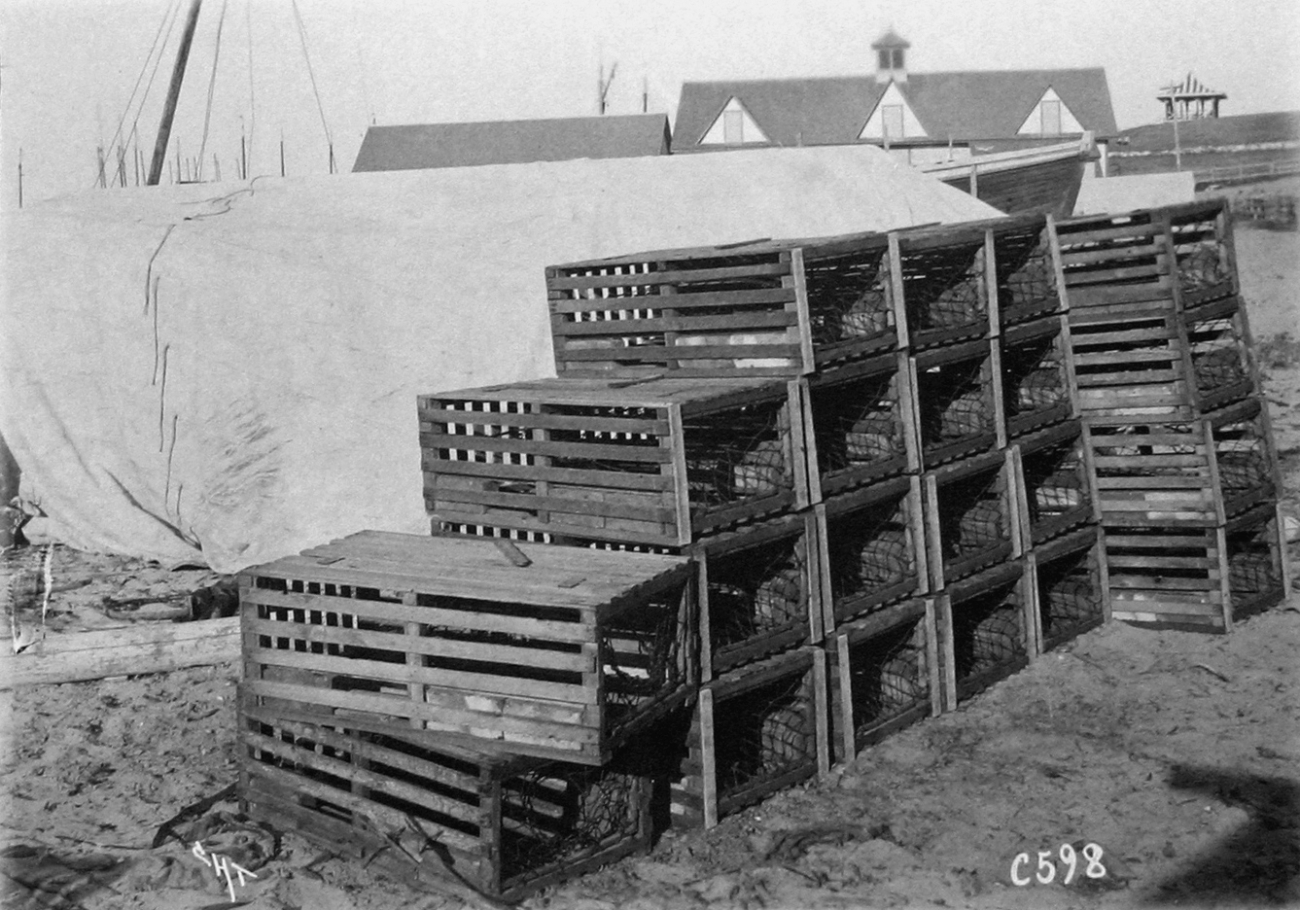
(173,93)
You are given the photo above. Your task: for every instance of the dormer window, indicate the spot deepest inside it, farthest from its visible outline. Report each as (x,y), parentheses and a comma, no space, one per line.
(889,58)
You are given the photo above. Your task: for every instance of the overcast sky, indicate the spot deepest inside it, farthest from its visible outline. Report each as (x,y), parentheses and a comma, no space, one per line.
(69,67)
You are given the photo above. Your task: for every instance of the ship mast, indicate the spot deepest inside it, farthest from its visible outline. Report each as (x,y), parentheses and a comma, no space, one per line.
(173,92)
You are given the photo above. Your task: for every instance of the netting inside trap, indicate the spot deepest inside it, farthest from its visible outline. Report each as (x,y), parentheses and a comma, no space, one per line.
(848,296)
(889,675)
(1056,481)
(564,811)
(737,454)
(942,285)
(642,654)
(1202,257)
(1218,354)
(1242,452)
(870,550)
(988,632)
(973,513)
(1025,271)
(1070,597)
(1033,376)
(758,591)
(858,423)
(1254,568)
(955,402)
(764,732)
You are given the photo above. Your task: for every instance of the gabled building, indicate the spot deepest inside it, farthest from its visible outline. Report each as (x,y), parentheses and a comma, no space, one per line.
(437,145)
(925,117)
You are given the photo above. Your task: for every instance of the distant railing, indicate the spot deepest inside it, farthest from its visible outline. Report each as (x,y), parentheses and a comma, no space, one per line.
(1244,173)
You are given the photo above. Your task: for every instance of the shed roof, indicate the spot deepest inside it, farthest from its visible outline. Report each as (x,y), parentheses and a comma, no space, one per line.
(437,145)
(961,105)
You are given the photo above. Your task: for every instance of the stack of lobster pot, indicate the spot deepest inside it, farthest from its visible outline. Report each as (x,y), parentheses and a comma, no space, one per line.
(1186,471)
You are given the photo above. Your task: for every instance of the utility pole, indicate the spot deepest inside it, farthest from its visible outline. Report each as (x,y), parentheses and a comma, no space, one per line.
(173,93)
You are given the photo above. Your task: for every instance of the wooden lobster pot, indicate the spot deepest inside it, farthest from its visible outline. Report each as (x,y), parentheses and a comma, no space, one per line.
(765,308)
(659,462)
(429,810)
(1030,283)
(986,630)
(1071,586)
(884,675)
(1038,383)
(547,651)
(958,395)
(971,517)
(756,730)
(1054,482)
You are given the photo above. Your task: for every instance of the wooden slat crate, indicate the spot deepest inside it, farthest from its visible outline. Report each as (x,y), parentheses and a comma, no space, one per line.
(884,675)
(1054,487)
(656,462)
(1199,578)
(759,592)
(426,810)
(985,628)
(1138,369)
(756,730)
(1222,367)
(970,516)
(1038,383)
(873,548)
(1180,253)
(861,424)
(1030,280)
(1245,458)
(1071,587)
(958,390)
(777,308)
(564,657)
(942,274)
(1155,475)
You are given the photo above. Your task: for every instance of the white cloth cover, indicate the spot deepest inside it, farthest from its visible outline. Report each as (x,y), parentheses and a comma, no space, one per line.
(226,374)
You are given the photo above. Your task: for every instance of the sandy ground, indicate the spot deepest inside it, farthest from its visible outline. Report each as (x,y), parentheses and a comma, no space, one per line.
(1178,754)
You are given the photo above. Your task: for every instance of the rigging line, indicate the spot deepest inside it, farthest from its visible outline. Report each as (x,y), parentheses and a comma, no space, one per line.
(302,36)
(117,134)
(212,86)
(157,63)
(252,104)
(169,20)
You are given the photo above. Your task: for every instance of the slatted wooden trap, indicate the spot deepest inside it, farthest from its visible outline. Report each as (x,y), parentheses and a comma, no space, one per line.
(1071,586)
(760,592)
(1030,282)
(1114,263)
(873,548)
(779,308)
(658,462)
(756,730)
(1154,474)
(884,675)
(565,656)
(1218,343)
(425,809)
(1245,461)
(1054,488)
(1138,368)
(861,424)
(1201,578)
(944,275)
(985,625)
(970,516)
(958,401)
(1037,375)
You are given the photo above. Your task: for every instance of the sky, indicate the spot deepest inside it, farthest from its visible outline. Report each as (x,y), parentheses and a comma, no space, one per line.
(74,73)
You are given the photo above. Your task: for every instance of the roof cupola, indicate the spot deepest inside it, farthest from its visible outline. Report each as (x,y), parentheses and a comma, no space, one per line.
(891,59)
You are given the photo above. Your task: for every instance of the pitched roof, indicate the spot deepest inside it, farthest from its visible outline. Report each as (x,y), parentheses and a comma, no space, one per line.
(437,145)
(961,105)
(1190,86)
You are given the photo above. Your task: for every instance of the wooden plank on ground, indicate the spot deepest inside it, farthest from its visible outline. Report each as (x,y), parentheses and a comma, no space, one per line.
(133,650)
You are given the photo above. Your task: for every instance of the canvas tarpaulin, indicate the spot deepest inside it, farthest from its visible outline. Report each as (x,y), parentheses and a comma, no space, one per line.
(228,374)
